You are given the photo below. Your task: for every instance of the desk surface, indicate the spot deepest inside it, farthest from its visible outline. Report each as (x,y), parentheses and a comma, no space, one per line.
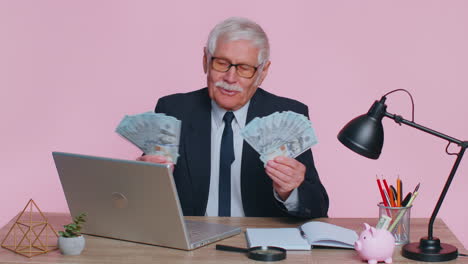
(102,250)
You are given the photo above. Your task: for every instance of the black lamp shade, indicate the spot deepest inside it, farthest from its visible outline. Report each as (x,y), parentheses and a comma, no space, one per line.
(363,135)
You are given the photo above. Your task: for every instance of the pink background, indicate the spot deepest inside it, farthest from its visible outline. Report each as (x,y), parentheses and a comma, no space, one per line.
(70,70)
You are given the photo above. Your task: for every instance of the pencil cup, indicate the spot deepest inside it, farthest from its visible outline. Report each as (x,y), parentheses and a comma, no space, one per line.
(399,225)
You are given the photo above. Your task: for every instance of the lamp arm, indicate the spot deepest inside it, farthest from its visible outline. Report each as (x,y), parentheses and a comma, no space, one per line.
(463,144)
(444,191)
(399,119)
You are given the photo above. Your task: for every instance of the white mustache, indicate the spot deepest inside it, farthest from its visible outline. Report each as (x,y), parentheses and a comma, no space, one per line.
(229,87)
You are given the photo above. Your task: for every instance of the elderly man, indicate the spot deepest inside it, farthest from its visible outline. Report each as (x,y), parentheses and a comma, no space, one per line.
(217,173)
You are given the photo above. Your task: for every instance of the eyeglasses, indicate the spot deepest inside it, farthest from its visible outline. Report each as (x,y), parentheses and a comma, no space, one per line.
(243,70)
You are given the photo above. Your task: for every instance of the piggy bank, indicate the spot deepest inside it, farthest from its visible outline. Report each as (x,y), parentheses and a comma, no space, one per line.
(375,245)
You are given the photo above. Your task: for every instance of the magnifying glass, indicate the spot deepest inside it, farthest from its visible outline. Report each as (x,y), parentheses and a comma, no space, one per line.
(262,253)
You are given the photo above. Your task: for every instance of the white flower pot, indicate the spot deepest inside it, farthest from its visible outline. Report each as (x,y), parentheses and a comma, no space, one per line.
(71,245)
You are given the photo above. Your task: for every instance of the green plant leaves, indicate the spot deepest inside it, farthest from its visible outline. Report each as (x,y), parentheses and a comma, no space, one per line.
(74,229)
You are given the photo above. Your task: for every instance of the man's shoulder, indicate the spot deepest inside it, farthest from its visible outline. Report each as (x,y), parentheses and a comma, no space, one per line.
(279,102)
(180,105)
(197,94)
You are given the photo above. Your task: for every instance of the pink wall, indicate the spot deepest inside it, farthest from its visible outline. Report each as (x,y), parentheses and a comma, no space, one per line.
(70,70)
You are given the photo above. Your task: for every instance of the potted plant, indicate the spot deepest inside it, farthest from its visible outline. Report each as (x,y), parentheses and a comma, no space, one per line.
(70,241)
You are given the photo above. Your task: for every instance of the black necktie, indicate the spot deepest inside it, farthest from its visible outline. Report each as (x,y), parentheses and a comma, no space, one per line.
(225,160)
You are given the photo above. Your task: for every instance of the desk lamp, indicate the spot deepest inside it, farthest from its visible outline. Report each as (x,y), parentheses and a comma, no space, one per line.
(364,135)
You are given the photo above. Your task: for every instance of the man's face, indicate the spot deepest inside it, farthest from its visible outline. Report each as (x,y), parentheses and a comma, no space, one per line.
(235,52)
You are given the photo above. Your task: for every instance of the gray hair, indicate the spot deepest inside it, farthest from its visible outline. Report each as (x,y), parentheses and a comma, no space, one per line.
(238,28)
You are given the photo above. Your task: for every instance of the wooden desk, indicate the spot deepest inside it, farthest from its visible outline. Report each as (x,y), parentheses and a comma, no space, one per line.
(101,250)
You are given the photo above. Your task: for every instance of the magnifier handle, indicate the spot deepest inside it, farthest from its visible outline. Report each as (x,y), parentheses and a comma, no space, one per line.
(230,248)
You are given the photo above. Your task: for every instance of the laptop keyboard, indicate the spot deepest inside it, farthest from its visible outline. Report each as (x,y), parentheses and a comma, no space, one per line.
(200,231)
(196,235)
(196,230)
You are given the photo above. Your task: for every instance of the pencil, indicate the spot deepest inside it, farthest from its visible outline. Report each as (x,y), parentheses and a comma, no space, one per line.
(394,195)
(402,211)
(399,191)
(392,203)
(406,200)
(384,200)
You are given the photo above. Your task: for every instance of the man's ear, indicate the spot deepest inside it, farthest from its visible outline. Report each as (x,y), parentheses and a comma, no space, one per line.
(205,61)
(264,72)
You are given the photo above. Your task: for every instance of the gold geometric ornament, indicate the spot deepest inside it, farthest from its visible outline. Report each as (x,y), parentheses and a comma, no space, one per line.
(31,234)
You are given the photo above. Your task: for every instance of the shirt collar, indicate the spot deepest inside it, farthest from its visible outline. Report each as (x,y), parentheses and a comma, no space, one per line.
(240,115)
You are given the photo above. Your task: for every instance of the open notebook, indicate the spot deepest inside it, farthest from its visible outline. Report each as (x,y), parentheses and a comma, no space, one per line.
(304,237)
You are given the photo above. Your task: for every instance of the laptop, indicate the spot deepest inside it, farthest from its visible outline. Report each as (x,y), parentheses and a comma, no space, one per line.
(131,200)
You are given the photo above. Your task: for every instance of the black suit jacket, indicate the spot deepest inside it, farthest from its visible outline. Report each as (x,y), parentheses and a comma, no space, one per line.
(192,172)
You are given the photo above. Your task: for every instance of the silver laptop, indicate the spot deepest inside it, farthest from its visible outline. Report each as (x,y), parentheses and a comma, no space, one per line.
(131,200)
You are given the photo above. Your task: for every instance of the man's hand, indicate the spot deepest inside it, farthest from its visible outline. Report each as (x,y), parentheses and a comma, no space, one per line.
(156,159)
(286,173)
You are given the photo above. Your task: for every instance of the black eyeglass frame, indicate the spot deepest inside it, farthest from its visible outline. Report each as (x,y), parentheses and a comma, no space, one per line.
(235,65)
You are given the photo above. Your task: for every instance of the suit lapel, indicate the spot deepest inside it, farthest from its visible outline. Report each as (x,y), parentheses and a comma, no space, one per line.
(199,151)
(250,158)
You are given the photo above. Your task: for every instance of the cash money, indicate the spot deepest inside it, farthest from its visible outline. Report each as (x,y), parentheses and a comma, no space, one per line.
(280,134)
(154,134)
(384,222)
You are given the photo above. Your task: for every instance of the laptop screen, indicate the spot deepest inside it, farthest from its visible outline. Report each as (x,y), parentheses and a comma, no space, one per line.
(124,199)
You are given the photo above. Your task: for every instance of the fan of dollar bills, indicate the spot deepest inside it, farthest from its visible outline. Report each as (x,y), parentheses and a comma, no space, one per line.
(280,134)
(154,134)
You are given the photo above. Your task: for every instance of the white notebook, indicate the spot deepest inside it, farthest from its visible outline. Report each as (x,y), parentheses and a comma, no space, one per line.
(304,237)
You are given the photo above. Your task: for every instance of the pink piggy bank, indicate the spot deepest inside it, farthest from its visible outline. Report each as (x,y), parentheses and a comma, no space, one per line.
(375,245)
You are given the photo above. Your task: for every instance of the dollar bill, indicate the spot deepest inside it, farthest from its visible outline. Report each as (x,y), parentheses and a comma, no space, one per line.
(293,148)
(154,134)
(384,222)
(280,134)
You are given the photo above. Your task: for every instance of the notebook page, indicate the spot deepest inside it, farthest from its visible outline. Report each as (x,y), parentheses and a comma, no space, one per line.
(324,234)
(287,238)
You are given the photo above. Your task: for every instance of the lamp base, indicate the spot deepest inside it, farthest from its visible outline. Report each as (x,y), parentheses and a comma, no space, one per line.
(430,250)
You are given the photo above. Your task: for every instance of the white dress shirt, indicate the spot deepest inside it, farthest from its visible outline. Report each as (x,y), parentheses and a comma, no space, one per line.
(217,128)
